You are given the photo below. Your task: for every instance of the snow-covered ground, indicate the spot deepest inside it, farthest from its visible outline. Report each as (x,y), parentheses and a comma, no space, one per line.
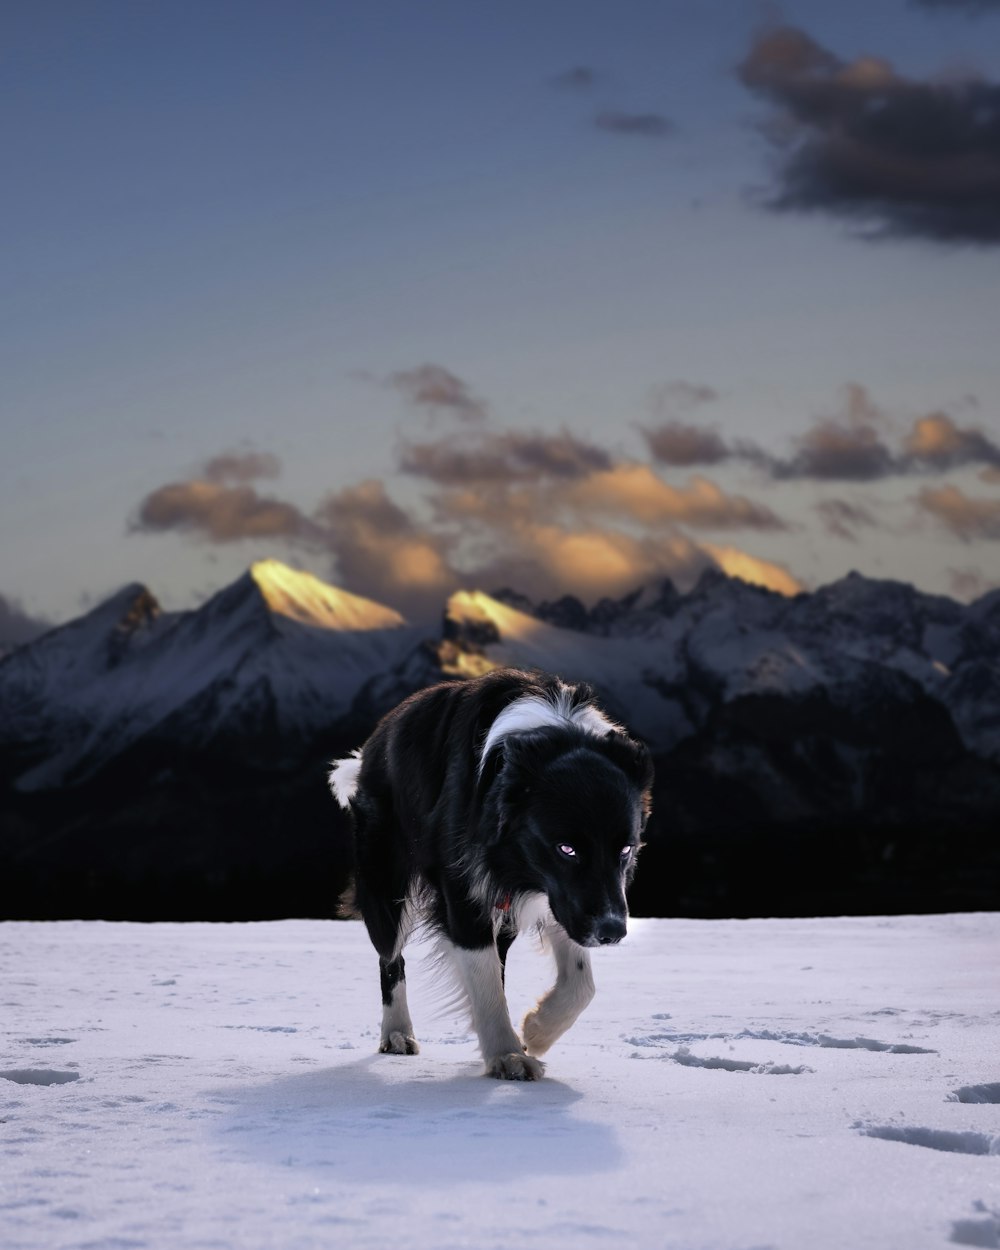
(735,1084)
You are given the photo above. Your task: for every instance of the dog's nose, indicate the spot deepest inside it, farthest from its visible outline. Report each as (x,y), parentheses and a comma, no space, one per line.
(609,930)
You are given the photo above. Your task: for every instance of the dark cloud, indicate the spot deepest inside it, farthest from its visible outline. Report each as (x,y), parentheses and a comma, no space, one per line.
(844,447)
(966,517)
(439,390)
(18,626)
(681,445)
(901,157)
(835,451)
(219,513)
(648,125)
(510,457)
(843,519)
(579,78)
(242,466)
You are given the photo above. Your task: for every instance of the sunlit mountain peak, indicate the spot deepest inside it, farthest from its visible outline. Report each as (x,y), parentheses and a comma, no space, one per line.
(304,598)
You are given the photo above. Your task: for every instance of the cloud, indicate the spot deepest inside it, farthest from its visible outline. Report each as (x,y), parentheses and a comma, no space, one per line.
(509,457)
(647,125)
(682,445)
(938,442)
(219,513)
(833,451)
(634,491)
(579,78)
(439,390)
(901,157)
(843,519)
(967,518)
(18,626)
(381,552)
(845,446)
(242,466)
(543,559)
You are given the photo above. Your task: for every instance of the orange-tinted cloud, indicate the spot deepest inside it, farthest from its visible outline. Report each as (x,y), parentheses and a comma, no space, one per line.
(966,517)
(381,552)
(634,491)
(937,441)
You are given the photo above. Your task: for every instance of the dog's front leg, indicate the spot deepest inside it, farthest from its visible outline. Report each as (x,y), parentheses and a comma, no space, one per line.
(573,990)
(481,975)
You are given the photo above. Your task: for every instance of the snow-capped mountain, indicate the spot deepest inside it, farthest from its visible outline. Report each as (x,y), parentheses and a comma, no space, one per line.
(265,663)
(668,660)
(279,657)
(823,752)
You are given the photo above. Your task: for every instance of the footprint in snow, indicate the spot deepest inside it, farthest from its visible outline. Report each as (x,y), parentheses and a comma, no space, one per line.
(977,1093)
(966,1143)
(38,1076)
(684,1057)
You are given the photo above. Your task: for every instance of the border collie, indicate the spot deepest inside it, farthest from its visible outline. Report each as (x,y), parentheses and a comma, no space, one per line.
(486,807)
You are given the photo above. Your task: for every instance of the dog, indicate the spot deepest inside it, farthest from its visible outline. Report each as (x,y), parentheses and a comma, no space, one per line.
(486,807)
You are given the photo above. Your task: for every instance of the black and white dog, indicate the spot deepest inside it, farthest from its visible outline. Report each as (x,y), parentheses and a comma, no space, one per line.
(482,808)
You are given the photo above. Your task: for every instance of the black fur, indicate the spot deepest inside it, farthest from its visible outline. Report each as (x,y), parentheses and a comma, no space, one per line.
(466,844)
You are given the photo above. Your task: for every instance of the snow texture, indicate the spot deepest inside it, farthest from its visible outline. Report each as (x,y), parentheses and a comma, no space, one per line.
(734,1085)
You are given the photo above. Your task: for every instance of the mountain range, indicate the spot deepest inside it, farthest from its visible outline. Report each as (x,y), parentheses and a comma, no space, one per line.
(866,711)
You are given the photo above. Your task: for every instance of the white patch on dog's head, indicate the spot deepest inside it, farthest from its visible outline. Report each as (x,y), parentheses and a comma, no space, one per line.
(533,711)
(343,777)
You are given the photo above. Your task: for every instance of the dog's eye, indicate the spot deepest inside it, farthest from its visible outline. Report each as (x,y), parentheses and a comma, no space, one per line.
(565,849)
(628,852)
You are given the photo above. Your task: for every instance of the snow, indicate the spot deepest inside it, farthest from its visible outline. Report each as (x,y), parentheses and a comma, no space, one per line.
(735,1084)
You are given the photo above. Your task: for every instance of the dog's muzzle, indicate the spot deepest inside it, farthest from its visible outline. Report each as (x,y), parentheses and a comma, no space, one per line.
(608,930)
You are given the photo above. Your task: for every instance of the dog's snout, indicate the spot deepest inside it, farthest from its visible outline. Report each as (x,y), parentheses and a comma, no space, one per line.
(609,929)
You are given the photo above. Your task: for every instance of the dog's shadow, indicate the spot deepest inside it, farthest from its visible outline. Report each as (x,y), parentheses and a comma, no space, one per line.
(370,1122)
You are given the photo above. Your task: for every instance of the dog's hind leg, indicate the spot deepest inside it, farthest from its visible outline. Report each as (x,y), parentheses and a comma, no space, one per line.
(397,1029)
(382,888)
(573,990)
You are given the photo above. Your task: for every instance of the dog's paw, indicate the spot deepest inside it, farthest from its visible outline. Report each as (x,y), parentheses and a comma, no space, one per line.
(537,1038)
(515,1067)
(399,1044)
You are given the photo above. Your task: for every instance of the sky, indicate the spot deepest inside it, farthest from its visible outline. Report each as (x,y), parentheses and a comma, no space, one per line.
(569,297)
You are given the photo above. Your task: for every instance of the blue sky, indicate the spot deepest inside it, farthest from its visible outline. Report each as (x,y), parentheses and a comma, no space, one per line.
(244,229)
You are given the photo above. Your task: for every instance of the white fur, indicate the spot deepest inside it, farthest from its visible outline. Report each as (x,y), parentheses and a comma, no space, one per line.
(397,1028)
(573,990)
(480,976)
(532,913)
(532,711)
(343,777)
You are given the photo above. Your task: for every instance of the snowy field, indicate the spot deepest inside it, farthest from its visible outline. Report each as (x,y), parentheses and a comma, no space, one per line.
(736,1084)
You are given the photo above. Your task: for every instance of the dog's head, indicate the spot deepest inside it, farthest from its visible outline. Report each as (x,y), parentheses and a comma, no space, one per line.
(572,807)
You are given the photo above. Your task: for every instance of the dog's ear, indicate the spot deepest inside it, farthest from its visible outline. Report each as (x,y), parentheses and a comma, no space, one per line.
(632,757)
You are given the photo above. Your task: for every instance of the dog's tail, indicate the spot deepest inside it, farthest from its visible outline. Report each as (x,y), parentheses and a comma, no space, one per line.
(343,778)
